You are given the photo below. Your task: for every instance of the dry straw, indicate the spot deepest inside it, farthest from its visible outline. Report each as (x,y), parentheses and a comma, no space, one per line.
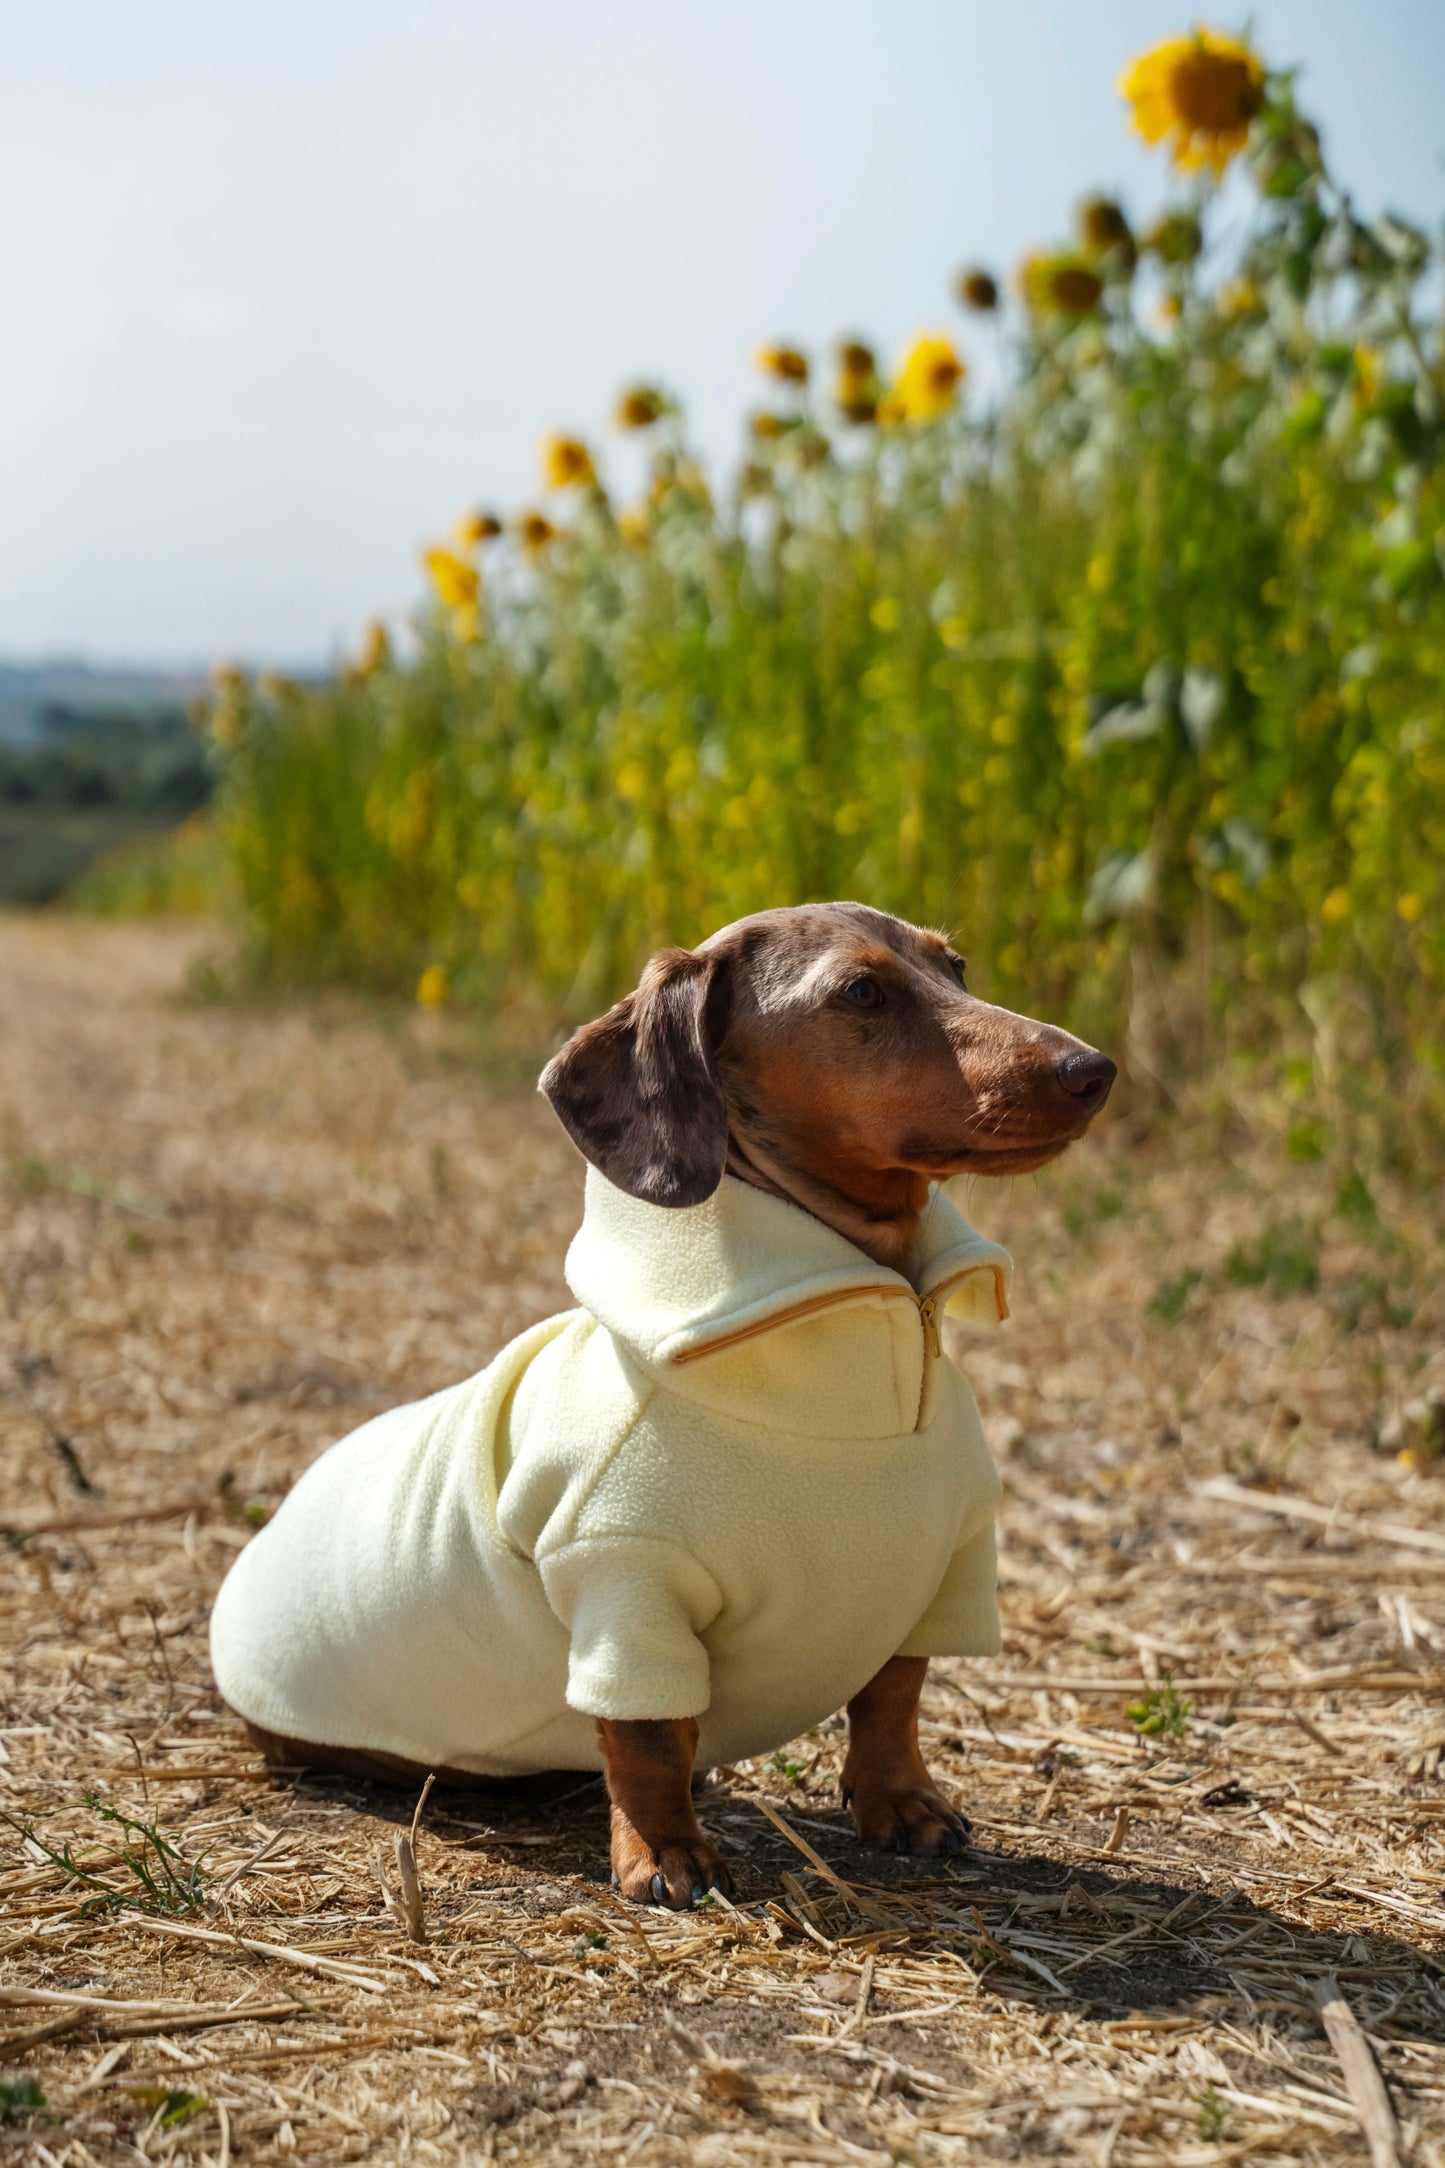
(1137,1960)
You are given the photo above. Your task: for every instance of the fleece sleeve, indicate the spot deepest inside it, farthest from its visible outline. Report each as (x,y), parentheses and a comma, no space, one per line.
(962,1619)
(634,1608)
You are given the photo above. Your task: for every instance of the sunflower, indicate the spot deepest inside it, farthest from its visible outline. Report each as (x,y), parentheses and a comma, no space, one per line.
(475,527)
(635,526)
(433,987)
(928,378)
(535,531)
(639,407)
(1199,93)
(856,389)
(1060,285)
(783,362)
(455,581)
(978,290)
(1176,238)
(1102,224)
(769,426)
(566,460)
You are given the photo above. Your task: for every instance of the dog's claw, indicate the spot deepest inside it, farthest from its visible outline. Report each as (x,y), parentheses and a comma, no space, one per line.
(658,1889)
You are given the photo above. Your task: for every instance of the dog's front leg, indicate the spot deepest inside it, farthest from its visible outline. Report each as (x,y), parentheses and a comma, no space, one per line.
(896,1805)
(659,1855)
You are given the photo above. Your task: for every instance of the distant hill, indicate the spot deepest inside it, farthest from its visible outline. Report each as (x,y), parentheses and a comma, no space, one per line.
(39,700)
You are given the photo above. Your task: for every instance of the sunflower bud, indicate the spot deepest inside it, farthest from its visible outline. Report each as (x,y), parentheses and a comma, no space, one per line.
(1176,238)
(639,407)
(978,290)
(783,362)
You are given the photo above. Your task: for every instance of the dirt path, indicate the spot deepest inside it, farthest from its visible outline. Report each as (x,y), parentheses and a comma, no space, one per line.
(227,1235)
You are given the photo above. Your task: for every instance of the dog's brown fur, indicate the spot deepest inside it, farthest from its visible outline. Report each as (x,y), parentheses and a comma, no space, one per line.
(830,1055)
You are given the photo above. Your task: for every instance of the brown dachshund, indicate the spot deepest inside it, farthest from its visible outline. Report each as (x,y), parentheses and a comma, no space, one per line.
(832,1056)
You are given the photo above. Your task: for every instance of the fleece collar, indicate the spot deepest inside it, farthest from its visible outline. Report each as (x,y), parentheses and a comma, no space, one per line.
(665,1282)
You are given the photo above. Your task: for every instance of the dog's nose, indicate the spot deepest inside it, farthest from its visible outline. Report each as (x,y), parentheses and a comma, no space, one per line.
(1087,1076)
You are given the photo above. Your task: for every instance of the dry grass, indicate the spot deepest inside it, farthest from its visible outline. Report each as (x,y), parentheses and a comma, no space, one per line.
(232,1234)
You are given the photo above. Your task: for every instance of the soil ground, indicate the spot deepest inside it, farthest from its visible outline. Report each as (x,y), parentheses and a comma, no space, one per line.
(230,1234)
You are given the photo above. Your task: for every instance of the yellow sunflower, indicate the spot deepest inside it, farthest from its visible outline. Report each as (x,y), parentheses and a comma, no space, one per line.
(784,362)
(475,527)
(455,581)
(1060,285)
(639,407)
(928,378)
(566,460)
(535,531)
(1199,94)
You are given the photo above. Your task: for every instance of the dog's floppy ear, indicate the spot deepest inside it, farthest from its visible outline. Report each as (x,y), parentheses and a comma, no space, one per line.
(638,1090)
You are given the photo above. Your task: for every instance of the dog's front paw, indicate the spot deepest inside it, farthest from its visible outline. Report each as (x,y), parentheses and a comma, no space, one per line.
(679,1875)
(912,1818)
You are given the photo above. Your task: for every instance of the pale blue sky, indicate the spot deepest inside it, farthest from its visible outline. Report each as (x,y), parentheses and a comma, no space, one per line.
(287,285)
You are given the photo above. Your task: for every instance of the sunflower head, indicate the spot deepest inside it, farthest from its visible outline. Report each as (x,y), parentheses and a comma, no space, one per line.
(634,526)
(475,527)
(928,378)
(857,400)
(785,363)
(978,290)
(535,531)
(856,389)
(1198,94)
(769,427)
(1176,238)
(566,460)
(455,581)
(639,407)
(1060,285)
(1102,224)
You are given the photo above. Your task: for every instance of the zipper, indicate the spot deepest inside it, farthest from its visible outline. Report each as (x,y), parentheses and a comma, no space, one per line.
(926,1306)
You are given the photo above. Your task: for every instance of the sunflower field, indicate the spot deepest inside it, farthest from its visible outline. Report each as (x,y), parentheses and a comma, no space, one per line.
(1130,673)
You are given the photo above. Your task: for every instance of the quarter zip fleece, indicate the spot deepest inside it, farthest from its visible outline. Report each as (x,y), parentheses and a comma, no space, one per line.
(730,1485)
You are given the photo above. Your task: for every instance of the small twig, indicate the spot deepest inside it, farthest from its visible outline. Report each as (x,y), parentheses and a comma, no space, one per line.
(1311,1731)
(1363,2082)
(1119,1831)
(819,1865)
(410,1910)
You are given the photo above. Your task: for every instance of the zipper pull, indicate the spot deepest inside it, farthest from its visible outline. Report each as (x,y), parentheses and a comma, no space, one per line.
(928,1311)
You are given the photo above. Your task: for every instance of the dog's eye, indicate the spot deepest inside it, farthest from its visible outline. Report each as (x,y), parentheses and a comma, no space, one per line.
(958,967)
(863,994)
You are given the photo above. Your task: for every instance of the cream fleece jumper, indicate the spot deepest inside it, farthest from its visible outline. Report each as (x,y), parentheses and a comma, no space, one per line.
(731,1485)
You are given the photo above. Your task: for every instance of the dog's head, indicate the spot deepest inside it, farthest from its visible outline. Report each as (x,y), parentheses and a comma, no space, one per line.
(830,1050)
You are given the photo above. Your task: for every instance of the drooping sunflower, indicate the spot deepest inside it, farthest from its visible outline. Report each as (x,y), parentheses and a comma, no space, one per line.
(1060,284)
(639,407)
(785,363)
(978,290)
(928,378)
(475,527)
(1197,93)
(455,581)
(566,460)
